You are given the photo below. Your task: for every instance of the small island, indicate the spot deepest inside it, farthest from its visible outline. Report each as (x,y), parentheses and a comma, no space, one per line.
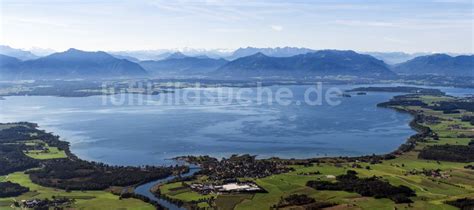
(398,89)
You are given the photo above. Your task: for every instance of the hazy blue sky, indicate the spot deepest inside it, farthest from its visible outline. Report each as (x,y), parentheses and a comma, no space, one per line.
(382,25)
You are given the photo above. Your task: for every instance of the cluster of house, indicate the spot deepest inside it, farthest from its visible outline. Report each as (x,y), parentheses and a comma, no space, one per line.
(234,187)
(242,166)
(44,203)
(34,203)
(432,173)
(39,147)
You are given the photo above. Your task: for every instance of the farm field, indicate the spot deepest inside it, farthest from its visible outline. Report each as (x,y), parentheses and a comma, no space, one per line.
(84,199)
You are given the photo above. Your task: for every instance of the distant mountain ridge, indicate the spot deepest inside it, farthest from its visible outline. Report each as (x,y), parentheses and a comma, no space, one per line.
(392,58)
(272,52)
(178,64)
(265,62)
(319,63)
(438,64)
(74,64)
(161,54)
(129,58)
(7,65)
(176,55)
(17,53)
(7,61)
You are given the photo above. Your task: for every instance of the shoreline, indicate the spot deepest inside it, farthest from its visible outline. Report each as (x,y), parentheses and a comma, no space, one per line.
(412,115)
(408,145)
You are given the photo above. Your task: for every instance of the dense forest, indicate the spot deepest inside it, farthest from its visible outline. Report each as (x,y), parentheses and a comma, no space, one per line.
(12,159)
(11,156)
(468,119)
(454,105)
(373,187)
(402,101)
(9,189)
(83,175)
(463,203)
(454,153)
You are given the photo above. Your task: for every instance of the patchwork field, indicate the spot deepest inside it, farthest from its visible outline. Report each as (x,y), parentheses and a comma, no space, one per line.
(84,199)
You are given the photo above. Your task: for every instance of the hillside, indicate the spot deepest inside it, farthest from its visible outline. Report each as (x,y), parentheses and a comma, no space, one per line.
(7,64)
(320,63)
(273,52)
(438,64)
(75,64)
(393,58)
(17,53)
(182,65)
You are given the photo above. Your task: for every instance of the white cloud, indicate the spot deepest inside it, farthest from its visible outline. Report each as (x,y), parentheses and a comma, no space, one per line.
(277,27)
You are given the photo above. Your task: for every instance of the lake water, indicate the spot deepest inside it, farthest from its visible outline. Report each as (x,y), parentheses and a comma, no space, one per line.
(143,131)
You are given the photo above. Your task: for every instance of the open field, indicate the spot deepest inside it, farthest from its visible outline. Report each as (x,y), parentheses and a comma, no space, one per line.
(84,199)
(185,194)
(48,152)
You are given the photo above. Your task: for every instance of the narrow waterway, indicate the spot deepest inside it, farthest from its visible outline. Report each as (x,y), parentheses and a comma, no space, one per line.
(145,189)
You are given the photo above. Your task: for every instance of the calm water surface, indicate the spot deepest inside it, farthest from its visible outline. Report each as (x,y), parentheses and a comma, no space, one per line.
(132,134)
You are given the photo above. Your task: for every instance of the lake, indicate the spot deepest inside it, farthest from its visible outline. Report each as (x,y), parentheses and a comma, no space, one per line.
(143,130)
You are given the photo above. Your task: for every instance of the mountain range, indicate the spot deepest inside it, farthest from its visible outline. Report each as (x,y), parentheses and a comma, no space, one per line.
(71,64)
(213,53)
(179,64)
(7,65)
(17,53)
(294,62)
(438,64)
(272,52)
(392,58)
(318,63)
(165,53)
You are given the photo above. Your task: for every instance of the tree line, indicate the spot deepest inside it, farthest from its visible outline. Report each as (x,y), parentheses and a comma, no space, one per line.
(372,186)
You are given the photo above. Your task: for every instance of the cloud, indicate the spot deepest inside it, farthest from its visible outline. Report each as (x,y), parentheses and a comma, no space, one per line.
(277,27)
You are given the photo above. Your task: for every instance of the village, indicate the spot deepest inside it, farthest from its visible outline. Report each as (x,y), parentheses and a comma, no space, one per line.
(233,187)
(246,166)
(44,203)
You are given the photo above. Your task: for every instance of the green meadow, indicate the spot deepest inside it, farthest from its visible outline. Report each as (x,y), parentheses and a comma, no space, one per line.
(84,199)
(48,152)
